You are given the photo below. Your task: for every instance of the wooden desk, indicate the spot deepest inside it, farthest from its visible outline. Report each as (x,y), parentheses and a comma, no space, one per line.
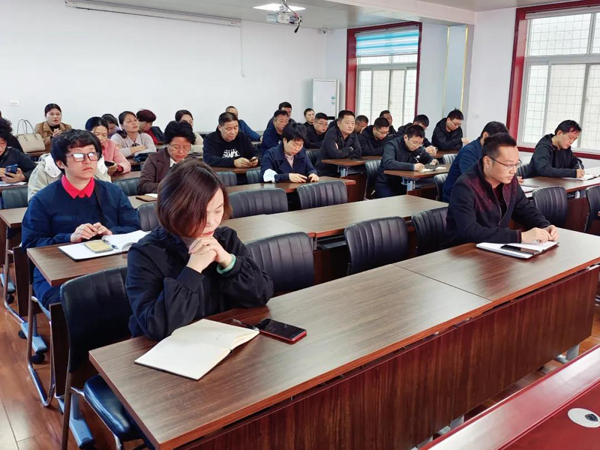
(537,416)
(344,163)
(236,170)
(12,186)
(252,228)
(441,153)
(288,187)
(125,176)
(409,177)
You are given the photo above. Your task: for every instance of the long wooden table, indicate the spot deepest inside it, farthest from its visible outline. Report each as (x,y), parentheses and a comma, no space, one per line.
(344,164)
(391,356)
(410,177)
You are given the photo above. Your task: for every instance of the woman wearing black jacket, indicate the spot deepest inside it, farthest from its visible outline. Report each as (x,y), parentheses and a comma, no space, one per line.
(10,156)
(190,267)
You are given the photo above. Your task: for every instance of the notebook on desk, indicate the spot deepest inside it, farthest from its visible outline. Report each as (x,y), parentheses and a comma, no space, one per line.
(586,177)
(120,243)
(192,351)
(523,251)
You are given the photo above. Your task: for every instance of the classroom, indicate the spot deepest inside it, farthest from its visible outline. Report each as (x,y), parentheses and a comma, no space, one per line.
(300,225)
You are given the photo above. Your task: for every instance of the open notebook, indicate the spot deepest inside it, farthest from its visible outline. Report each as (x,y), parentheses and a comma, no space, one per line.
(192,351)
(586,177)
(535,249)
(119,242)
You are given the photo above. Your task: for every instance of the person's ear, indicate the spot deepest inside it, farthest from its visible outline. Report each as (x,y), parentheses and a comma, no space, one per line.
(60,164)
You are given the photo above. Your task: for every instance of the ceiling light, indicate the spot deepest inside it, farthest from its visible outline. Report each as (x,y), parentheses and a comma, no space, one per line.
(275,7)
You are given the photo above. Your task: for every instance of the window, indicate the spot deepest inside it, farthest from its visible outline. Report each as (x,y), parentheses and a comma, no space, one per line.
(561,76)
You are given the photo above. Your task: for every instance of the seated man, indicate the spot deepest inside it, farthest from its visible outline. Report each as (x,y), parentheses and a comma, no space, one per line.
(488,196)
(287,107)
(77,208)
(272,137)
(309,116)
(244,127)
(553,156)
(468,156)
(448,134)
(373,138)
(388,116)
(340,142)
(227,147)
(423,121)
(360,124)
(316,132)
(179,137)
(288,161)
(401,153)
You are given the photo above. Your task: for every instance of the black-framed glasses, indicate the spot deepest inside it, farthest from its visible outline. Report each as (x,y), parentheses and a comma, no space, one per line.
(79,157)
(508,166)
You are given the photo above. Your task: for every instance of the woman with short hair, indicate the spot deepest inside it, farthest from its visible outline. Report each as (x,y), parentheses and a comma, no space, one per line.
(113,158)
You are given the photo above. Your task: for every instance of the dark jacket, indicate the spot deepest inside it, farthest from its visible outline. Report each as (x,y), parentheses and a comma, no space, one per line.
(245,128)
(467,157)
(165,294)
(402,130)
(445,140)
(220,153)
(369,145)
(549,161)
(12,156)
(335,147)
(155,168)
(397,156)
(158,137)
(53,215)
(14,142)
(271,138)
(274,159)
(314,139)
(476,215)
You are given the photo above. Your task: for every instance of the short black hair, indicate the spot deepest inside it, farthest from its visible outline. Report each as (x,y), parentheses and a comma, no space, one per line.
(110,119)
(456,114)
(73,139)
(414,131)
(226,118)
(285,105)
(50,106)
(230,106)
(145,115)
(381,122)
(343,113)
(124,115)
(362,119)
(491,145)
(294,131)
(493,128)
(384,112)
(319,116)
(94,122)
(567,126)
(5,129)
(182,112)
(308,110)
(280,112)
(422,119)
(179,129)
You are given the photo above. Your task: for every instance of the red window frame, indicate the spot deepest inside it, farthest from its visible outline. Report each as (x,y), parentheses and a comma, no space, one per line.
(351,65)
(518,67)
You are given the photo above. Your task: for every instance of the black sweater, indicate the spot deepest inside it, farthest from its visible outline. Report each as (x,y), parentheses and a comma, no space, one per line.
(397,156)
(369,145)
(315,139)
(549,161)
(220,153)
(336,147)
(13,156)
(445,140)
(402,130)
(165,294)
(476,215)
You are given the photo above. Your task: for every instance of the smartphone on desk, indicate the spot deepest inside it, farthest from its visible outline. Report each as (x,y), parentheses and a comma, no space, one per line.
(514,248)
(280,330)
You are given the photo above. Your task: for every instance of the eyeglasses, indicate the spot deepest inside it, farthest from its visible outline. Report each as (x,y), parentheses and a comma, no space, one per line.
(179,148)
(79,157)
(509,167)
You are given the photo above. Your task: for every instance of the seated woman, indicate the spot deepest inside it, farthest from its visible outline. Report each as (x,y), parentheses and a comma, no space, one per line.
(178,137)
(147,119)
(289,161)
(113,124)
(10,156)
(186,116)
(190,267)
(113,158)
(77,208)
(131,141)
(53,126)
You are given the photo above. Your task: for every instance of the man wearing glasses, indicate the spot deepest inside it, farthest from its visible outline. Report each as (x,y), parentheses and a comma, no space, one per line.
(76,208)
(448,134)
(488,196)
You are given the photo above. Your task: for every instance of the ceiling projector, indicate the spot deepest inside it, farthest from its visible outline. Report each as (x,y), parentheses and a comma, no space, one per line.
(284,17)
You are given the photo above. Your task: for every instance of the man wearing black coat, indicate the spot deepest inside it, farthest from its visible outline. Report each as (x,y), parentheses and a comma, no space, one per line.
(340,142)
(374,137)
(448,134)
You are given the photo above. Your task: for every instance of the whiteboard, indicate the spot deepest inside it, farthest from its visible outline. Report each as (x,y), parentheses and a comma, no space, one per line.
(325,97)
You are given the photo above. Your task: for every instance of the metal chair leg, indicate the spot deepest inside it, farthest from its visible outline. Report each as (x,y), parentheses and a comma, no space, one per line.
(571,354)
(66,415)
(45,397)
(69,403)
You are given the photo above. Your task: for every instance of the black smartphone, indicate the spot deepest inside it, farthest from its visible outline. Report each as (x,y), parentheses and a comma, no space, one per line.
(514,248)
(109,163)
(12,168)
(280,330)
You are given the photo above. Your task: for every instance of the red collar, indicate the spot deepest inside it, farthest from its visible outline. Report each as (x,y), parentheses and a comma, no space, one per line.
(74,192)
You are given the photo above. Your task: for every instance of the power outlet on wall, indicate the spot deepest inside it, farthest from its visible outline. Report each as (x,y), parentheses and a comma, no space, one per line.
(14,103)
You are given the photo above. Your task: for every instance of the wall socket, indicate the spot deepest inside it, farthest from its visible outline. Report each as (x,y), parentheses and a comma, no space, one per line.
(14,103)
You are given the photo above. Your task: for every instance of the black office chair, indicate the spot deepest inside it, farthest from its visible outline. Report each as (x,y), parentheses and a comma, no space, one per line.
(148,218)
(522,170)
(97,313)
(553,204)
(128,186)
(430,227)
(15,197)
(287,258)
(253,176)
(313,155)
(375,243)
(261,201)
(372,167)
(593,197)
(228,178)
(439,181)
(315,195)
(448,159)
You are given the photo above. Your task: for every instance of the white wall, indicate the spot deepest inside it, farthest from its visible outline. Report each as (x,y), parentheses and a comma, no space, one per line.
(92,63)
(335,60)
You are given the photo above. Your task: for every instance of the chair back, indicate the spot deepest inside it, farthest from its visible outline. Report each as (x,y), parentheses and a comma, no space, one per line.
(439,181)
(315,195)
(287,258)
(522,170)
(148,217)
(228,178)
(15,197)
(372,166)
(593,197)
(312,155)
(129,185)
(553,204)
(253,176)
(97,312)
(260,201)
(448,159)
(430,227)
(375,243)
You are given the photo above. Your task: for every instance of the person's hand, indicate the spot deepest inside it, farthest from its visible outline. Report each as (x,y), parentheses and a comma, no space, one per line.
(465,141)
(434,162)
(201,260)
(56,132)
(113,169)
(13,177)
(203,245)
(241,162)
(137,148)
(431,150)
(580,173)
(102,230)
(553,231)
(520,180)
(2,171)
(419,167)
(535,236)
(297,178)
(85,231)
(313,178)
(254,162)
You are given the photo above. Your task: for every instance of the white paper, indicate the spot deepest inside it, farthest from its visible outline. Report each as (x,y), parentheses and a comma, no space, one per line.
(497,248)
(586,177)
(527,189)
(20,183)
(152,195)
(122,242)
(269,176)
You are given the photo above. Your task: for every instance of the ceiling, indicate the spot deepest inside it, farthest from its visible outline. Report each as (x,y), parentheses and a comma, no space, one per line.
(487,5)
